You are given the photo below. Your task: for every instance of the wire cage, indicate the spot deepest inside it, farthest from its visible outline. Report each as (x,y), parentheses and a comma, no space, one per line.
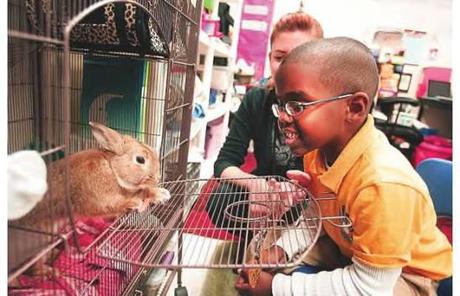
(129,65)
(300,220)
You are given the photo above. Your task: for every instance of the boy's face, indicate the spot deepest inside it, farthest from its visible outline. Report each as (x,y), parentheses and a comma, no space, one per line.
(318,126)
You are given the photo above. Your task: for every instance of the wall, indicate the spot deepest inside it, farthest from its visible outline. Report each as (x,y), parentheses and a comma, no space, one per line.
(361,18)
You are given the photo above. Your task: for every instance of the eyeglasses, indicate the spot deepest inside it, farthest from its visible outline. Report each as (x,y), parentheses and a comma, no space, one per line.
(295,108)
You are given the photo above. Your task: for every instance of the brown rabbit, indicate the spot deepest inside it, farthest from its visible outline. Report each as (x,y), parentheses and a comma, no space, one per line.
(121,176)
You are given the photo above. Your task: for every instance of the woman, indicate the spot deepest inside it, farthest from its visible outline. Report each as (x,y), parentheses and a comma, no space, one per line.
(255,120)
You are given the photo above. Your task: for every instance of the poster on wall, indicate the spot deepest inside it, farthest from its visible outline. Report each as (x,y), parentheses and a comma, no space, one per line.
(415,45)
(256,21)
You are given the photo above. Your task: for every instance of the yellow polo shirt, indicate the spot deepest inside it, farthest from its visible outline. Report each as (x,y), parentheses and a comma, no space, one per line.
(394,222)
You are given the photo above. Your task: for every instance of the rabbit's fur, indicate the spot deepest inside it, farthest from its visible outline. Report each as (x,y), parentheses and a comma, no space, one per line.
(121,176)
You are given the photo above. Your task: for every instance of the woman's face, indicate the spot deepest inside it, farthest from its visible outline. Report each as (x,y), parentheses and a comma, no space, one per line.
(283,44)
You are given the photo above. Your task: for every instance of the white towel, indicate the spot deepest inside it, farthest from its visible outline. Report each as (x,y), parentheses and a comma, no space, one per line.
(27,185)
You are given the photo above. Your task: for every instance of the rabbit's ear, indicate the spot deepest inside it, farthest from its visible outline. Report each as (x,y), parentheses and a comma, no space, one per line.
(107,138)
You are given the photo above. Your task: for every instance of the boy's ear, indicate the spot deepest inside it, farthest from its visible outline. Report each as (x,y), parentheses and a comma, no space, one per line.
(358,106)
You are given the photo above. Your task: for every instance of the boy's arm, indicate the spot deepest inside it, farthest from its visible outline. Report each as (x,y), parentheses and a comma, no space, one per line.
(355,279)
(387,220)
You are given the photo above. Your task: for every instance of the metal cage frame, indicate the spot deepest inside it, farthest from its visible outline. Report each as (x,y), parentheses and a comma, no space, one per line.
(46,42)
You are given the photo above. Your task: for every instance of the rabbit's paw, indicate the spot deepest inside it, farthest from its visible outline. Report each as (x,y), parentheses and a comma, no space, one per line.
(163,195)
(136,204)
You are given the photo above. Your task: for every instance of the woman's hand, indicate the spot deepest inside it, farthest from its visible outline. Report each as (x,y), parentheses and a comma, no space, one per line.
(274,198)
(260,197)
(299,177)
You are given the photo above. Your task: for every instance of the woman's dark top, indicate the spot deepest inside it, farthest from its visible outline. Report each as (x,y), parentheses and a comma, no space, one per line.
(255,120)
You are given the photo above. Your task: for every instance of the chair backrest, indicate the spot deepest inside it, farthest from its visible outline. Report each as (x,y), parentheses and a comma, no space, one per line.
(437,174)
(388,105)
(393,129)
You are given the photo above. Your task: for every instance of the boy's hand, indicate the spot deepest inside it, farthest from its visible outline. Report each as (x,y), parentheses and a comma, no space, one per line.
(263,287)
(261,284)
(273,255)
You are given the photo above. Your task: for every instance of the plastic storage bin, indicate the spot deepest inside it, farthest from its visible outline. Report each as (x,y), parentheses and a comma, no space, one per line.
(433,146)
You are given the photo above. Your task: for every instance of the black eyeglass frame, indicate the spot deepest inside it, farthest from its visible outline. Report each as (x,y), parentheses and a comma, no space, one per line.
(277,109)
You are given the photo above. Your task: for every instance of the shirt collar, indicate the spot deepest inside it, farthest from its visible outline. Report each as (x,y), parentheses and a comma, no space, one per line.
(333,177)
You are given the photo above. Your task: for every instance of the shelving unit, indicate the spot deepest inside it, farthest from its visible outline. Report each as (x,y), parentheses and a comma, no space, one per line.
(217,111)
(208,49)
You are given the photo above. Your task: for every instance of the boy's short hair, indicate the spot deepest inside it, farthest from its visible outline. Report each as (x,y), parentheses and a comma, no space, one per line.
(345,64)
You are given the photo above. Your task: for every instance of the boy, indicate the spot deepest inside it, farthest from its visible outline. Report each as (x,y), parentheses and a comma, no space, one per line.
(325,88)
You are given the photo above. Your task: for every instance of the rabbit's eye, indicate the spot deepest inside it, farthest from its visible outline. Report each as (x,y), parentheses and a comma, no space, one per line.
(140,159)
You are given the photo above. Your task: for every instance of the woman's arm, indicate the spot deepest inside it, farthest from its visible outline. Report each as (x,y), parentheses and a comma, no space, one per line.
(241,132)
(235,172)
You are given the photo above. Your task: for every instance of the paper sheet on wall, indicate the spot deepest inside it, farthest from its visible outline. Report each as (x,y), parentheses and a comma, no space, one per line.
(415,49)
(256,9)
(260,26)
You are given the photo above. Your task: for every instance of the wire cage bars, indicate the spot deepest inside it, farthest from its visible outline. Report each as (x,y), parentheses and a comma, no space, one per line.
(288,214)
(127,64)
(300,220)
